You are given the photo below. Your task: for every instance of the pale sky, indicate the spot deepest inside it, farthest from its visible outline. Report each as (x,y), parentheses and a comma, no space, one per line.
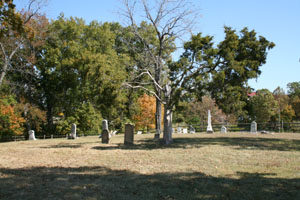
(277,20)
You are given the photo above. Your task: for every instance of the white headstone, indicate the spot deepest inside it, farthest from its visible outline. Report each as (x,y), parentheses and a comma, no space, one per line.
(31,135)
(253,127)
(223,129)
(185,131)
(73,132)
(209,128)
(139,133)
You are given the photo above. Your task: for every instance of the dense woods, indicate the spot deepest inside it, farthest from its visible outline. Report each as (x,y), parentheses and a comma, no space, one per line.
(58,72)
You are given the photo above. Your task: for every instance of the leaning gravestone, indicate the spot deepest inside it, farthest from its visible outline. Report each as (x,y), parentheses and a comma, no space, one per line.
(73,132)
(209,128)
(31,135)
(223,129)
(129,134)
(253,127)
(105,132)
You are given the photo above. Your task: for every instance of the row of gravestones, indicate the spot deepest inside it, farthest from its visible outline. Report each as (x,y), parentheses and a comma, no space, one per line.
(129,131)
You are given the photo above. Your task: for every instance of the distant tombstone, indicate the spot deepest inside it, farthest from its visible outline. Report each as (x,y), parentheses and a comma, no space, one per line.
(129,134)
(185,131)
(192,130)
(209,127)
(31,135)
(73,132)
(139,133)
(105,136)
(223,129)
(253,127)
(179,130)
(173,130)
(114,133)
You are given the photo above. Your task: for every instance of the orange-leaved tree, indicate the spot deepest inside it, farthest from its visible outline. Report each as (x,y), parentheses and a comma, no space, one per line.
(145,119)
(11,121)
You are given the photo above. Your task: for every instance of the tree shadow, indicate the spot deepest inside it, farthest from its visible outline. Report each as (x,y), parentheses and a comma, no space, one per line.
(242,143)
(104,183)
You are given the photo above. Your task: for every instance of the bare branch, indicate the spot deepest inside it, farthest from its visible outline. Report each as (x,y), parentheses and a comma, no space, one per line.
(146,89)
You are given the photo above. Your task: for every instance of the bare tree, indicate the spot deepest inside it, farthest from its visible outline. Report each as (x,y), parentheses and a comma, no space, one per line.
(170,19)
(14,38)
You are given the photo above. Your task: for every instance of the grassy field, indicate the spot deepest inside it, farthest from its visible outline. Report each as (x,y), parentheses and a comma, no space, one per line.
(199,166)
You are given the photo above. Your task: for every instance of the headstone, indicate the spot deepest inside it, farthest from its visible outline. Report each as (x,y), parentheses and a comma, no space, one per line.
(139,133)
(31,135)
(129,134)
(192,130)
(179,130)
(185,131)
(223,129)
(73,132)
(209,127)
(105,136)
(105,132)
(253,127)
(173,130)
(114,132)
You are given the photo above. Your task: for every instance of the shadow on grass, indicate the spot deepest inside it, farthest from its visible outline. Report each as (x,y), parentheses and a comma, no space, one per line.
(104,183)
(242,143)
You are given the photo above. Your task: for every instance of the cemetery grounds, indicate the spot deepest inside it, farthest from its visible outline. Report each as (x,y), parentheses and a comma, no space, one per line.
(195,166)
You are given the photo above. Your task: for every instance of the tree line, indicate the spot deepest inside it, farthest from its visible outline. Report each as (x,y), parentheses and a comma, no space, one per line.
(55,73)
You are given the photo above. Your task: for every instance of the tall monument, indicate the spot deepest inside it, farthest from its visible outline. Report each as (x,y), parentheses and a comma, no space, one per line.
(209,128)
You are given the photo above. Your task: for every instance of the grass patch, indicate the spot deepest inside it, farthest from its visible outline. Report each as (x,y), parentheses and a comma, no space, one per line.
(200,166)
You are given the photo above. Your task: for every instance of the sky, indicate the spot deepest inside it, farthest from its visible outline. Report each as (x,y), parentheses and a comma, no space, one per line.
(277,20)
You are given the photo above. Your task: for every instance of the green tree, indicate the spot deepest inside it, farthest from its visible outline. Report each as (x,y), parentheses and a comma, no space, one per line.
(264,106)
(80,66)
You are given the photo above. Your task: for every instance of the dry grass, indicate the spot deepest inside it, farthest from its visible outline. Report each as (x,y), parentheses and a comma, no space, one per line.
(200,166)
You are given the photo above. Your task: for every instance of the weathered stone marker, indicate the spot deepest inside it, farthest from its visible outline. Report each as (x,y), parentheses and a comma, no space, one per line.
(209,128)
(73,132)
(179,130)
(31,135)
(105,132)
(105,137)
(129,134)
(223,129)
(253,127)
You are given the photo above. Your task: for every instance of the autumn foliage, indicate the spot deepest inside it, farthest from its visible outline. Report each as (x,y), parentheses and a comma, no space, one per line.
(145,119)
(11,122)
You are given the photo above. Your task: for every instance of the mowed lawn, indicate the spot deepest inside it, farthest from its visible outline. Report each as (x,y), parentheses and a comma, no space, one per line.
(199,166)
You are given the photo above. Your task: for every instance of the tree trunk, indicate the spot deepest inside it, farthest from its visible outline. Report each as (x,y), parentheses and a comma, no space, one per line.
(158,120)
(3,72)
(167,138)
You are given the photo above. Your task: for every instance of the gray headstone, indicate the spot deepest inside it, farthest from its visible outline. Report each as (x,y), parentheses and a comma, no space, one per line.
(129,134)
(192,130)
(139,133)
(105,137)
(179,130)
(185,131)
(31,135)
(253,127)
(209,128)
(223,129)
(104,124)
(73,132)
